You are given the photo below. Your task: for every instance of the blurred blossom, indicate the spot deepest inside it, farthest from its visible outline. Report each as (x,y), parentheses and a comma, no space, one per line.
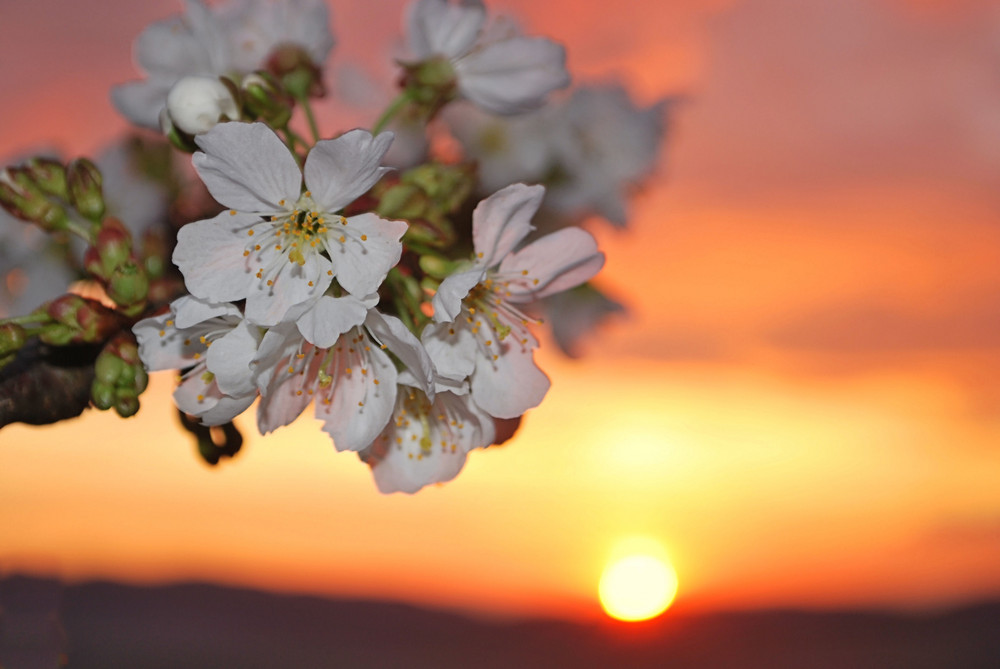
(228,40)
(590,151)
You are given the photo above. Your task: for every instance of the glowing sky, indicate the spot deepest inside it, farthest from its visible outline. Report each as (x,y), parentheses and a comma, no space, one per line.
(804,407)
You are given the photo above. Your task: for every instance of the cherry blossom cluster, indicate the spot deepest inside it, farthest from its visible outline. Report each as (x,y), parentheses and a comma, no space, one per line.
(402,299)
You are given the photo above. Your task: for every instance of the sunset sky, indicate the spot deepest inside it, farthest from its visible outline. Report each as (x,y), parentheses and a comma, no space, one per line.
(802,409)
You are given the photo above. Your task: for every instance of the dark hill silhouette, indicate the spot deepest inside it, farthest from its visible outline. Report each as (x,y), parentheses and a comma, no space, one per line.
(191,626)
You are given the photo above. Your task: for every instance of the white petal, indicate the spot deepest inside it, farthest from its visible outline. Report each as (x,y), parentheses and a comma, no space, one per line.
(447,301)
(293,284)
(286,396)
(247,168)
(226,409)
(229,359)
(358,408)
(510,385)
(502,220)
(324,322)
(513,76)
(371,249)
(168,48)
(438,27)
(210,256)
(340,170)
(556,262)
(400,470)
(278,343)
(141,101)
(452,349)
(391,332)
(189,310)
(158,351)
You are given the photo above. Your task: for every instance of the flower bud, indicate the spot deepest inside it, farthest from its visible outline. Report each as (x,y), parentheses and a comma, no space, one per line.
(88,321)
(265,98)
(129,287)
(431,84)
(111,249)
(297,72)
(108,368)
(12,338)
(127,402)
(102,395)
(84,181)
(22,197)
(49,175)
(197,104)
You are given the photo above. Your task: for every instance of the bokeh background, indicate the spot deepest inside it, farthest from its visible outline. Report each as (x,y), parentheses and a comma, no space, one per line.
(802,408)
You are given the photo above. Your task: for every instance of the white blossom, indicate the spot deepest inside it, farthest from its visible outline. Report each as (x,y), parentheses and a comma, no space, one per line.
(481,332)
(214,345)
(500,70)
(277,246)
(231,40)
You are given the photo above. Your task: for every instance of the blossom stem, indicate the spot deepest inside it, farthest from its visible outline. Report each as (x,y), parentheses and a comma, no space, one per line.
(391,111)
(310,118)
(80,231)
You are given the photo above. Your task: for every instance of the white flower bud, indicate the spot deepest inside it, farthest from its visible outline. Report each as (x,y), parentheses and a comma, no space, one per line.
(196,104)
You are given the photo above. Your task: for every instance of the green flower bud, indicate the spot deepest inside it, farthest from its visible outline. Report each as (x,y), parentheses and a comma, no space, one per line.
(127,402)
(90,320)
(57,334)
(21,196)
(84,181)
(296,71)
(12,338)
(108,368)
(112,249)
(102,395)
(140,378)
(129,287)
(265,98)
(402,201)
(49,175)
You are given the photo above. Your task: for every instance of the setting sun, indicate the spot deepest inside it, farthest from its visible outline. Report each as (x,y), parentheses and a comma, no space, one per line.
(637,587)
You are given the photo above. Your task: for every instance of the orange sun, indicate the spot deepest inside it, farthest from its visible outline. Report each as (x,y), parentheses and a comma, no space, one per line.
(638,586)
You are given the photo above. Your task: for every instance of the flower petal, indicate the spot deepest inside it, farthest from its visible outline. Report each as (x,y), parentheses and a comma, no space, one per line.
(229,359)
(390,332)
(502,220)
(447,301)
(141,101)
(440,28)
(371,248)
(514,75)
(452,349)
(359,404)
(324,322)
(510,385)
(209,254)
(556,262)
(247,168)
(340,170)
(189,310)
(293,284)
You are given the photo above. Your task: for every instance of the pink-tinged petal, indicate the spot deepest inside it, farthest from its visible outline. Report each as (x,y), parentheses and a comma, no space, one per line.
(356,408)
(141,101)
(401,470)
(285,397)
(510,385)
(371,248)
(247,168)
(513,76)
(502,220)
(556,262)
(229,359)
(340,170)
(440,28)
(168,48)
(292,285)
(324,322)
(573,314)
(447,301)
(452,349)
(210,256)
(390,332)
(189,310)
